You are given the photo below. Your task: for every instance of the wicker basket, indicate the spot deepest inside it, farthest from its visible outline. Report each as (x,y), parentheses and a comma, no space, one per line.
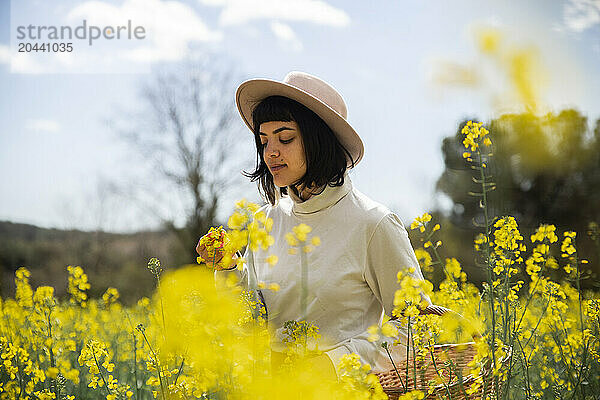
(451,361)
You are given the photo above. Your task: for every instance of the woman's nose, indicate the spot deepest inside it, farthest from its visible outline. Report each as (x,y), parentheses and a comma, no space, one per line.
(272,150)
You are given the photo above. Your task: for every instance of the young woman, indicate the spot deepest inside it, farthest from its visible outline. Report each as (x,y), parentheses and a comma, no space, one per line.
(305,147)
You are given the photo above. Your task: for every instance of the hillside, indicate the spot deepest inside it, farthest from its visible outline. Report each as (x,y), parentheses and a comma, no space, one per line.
(109,259)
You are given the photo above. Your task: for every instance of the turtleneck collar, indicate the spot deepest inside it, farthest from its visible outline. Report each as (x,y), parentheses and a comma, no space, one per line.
(330,196)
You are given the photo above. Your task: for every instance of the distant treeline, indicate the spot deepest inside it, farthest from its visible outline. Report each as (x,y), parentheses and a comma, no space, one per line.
(120,260)
(109,259)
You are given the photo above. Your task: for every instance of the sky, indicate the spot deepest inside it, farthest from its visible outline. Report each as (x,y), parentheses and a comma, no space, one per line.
(395,63)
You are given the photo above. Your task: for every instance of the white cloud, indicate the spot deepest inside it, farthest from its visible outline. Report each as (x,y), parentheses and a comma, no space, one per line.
(4,54)
(170,26)
(580,15)
(286,36)
(42,125)
(237,12)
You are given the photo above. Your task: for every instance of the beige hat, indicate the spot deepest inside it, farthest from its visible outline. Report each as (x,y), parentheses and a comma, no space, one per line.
(309,91)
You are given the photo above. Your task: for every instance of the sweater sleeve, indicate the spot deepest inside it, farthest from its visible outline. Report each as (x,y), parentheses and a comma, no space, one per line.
(241,276)
(388,252)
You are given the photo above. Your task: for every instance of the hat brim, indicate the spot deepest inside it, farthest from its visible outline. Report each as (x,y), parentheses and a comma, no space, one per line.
(253,91)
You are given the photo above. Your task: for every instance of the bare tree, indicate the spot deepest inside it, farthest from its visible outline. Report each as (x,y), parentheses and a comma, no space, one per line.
(186,136)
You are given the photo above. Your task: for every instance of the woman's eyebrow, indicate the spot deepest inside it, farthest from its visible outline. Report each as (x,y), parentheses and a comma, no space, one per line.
(283,128)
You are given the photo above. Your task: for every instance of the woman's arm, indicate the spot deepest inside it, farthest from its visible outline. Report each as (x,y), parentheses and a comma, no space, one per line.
(241,275)
(389,251)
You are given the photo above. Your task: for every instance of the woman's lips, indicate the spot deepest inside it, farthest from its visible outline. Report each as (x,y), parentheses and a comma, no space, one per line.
(277,168)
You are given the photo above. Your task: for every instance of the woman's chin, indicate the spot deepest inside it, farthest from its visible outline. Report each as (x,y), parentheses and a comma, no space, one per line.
(281,183)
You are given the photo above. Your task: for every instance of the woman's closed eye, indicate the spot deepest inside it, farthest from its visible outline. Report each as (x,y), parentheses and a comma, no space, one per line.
(264,144)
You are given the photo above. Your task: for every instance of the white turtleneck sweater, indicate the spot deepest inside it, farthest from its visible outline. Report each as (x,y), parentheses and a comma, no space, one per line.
(352,275)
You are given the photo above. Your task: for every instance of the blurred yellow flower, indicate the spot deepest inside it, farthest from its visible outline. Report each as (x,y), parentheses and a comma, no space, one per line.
(274,287)
(301,231)
(272,259)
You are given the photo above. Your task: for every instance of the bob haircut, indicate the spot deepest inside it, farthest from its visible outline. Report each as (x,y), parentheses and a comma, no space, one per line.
(326,158)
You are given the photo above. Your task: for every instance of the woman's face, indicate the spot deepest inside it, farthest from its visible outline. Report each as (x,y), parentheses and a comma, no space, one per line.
(283,151)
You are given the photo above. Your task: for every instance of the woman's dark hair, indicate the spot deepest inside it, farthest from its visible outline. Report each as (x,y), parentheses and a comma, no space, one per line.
(326,158)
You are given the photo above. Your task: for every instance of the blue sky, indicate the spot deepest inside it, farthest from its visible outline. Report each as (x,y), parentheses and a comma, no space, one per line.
(55,146)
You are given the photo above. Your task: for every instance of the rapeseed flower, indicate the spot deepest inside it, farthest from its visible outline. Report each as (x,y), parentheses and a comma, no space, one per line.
(474,134)
(421,222)
(214,241)
(23,293)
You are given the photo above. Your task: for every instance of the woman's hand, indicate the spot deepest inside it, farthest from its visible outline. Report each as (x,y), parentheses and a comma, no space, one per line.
(214,261)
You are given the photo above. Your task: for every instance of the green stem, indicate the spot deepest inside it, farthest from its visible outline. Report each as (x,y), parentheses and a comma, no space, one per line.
(162,312)
(304,278)
(51,352)
(488,269)
(438,373)
(518,325)
(412,339)
(530,297)
(100,370)
(135,372)
(579,290)
(439,259)
(179,371)
(459,375)
(580,318)
(579,376)
(19,375)
(536,325)
(527,378)
(408,353)
(563,358)
(156,364)
(505,316)
(394,364)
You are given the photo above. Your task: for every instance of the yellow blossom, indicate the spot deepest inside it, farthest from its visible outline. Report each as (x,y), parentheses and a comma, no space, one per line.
(389,330)
(373,333)
(301,231)
(274,287)
(421,222)
(272,259)
(52,372)
(291,239)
